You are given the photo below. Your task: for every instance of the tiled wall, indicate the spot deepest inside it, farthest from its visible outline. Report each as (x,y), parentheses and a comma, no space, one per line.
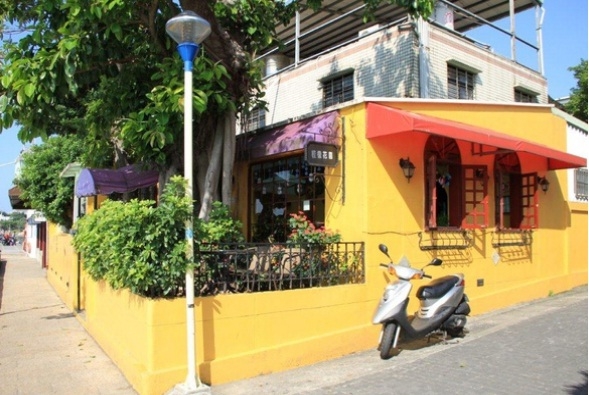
(386,64)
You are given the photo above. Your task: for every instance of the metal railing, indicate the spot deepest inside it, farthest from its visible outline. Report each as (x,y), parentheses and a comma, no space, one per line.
(261,267)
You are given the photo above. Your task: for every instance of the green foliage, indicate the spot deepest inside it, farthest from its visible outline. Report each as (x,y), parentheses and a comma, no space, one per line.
(304,231)
(96,68)
(15,222)
(149,132)
(577,104)
(99,69)
(137,245)
(41,186)
(221,227)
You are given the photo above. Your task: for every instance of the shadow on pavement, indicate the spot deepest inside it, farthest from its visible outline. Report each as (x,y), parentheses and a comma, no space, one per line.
(59,316)
(578,389)
(2,269)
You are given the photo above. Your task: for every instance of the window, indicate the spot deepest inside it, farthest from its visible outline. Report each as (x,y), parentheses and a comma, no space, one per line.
(282,187)
(516,194)
(460,83)
(256,118)
(456,194)
(338,89)
(581,184)
(525,97)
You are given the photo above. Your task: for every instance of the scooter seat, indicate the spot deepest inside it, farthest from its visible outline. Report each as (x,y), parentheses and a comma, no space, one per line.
(437,287)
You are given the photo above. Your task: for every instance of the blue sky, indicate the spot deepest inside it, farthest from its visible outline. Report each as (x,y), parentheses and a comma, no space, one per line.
(565,44)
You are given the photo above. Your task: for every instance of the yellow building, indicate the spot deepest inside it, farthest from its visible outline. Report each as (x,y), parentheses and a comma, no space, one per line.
(398,131)
(508,253)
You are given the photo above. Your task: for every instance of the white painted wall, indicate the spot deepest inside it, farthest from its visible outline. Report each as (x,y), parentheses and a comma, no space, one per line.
(577,144)
(386,65)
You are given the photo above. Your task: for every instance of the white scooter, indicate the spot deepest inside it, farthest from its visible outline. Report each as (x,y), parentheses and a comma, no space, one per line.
(443,305)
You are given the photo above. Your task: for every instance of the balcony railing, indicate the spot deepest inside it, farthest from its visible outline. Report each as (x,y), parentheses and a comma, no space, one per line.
(261,267)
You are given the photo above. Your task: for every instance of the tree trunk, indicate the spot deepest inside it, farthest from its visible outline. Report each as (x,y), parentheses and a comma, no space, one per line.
(211,180)
(228,159)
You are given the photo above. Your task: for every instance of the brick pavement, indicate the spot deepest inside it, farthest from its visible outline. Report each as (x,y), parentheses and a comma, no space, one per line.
(535,348)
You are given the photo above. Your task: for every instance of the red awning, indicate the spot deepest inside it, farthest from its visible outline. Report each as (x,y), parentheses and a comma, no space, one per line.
(384,121)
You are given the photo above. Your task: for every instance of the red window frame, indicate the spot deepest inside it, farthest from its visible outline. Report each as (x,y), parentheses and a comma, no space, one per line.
(522,207)
(475,197)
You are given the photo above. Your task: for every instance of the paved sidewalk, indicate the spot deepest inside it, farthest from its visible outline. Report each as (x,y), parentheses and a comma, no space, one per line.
(43,348)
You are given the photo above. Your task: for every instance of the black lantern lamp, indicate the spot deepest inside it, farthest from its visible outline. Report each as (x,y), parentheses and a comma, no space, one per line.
(408,168)
(543,184)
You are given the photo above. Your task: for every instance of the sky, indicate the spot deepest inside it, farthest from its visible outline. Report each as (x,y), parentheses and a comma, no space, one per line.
(564,36)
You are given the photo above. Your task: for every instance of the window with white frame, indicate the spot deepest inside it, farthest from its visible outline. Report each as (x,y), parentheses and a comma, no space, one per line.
(338,89)
(256,118)
(521,96)
(581,183)
(460,83)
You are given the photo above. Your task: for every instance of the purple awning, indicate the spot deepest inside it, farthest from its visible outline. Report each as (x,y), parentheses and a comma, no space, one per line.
(324,128)
(106,181)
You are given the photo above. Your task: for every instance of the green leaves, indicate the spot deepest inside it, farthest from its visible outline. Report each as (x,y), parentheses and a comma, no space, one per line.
(136,245)
(577,104)
(42,187)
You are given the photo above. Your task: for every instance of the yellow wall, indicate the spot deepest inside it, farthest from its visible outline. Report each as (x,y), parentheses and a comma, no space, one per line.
(237,336)
(62,265)
(394,208)
(245,335)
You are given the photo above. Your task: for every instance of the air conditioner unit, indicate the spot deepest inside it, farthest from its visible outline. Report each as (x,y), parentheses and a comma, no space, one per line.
(369,30)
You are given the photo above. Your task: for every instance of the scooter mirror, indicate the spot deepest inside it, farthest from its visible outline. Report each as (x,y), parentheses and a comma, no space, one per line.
(436,262)
(383,249)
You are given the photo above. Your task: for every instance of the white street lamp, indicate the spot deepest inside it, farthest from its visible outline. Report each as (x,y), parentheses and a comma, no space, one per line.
(189,30)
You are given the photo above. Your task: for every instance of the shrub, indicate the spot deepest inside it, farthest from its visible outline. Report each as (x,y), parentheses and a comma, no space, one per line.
(139,246)
(221,228)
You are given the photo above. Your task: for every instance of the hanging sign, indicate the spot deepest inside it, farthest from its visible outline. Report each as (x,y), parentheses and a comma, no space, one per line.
(321,154)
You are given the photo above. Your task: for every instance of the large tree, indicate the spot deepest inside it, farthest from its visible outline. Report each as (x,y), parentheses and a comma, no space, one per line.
(39,180)
(106,69)
(577,104)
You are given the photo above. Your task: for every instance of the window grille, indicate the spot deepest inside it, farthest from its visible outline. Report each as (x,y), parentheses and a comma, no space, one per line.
(460,83)
(581,184)
(256,118)
(338,90)
(524,97)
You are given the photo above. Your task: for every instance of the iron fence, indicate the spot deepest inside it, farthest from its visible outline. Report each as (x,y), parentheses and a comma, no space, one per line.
(260,267)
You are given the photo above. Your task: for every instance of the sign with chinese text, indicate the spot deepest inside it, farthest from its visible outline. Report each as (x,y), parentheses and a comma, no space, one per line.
(321,154)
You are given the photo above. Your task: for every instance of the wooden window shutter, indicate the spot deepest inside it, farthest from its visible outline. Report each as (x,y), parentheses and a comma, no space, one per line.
(475,197)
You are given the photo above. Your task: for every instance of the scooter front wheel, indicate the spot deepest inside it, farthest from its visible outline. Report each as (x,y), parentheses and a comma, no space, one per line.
(386,343)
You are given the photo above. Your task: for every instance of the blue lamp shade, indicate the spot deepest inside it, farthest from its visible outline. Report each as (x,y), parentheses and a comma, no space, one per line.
(188,27)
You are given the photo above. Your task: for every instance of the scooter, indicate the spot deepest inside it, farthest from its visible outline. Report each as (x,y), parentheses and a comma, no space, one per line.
(443,306)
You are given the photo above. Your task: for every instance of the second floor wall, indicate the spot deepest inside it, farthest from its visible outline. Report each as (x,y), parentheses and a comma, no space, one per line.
(407,60)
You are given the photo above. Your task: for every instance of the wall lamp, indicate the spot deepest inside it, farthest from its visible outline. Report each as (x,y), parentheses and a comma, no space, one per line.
(408,168)
(543,184)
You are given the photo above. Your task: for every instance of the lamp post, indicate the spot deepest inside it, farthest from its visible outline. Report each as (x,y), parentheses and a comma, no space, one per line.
(189,30)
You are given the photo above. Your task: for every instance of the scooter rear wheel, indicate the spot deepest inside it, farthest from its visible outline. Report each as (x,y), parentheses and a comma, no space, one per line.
(386,344)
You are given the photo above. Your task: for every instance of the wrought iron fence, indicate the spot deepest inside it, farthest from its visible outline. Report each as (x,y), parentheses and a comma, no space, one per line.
(260,267)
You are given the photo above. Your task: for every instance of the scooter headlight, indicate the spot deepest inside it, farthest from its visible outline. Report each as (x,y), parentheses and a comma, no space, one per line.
(389,292)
